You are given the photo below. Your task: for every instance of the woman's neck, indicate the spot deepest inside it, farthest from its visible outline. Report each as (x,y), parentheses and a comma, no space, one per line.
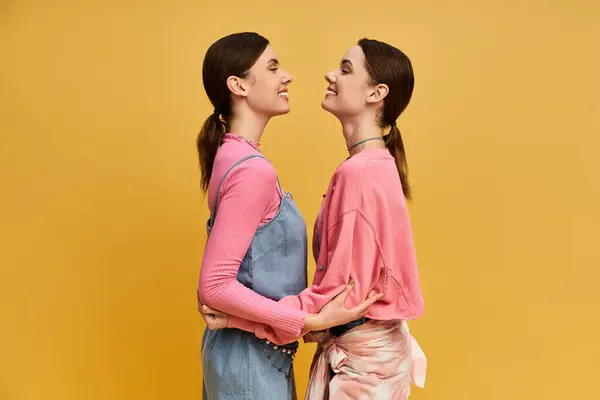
(249,125)
(360,130)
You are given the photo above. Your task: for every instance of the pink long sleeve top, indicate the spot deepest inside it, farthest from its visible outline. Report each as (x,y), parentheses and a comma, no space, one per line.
(248,198)
(362,232)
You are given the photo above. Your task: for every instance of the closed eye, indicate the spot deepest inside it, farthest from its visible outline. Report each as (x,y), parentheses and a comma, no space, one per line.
(345,66)
(273,65)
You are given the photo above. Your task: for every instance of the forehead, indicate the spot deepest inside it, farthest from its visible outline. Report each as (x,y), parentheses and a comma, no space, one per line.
(356,55)
(267,55)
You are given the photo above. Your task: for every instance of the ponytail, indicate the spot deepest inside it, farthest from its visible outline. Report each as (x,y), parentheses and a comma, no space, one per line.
(232,55)
(390,66)
(394,144)
(209,140)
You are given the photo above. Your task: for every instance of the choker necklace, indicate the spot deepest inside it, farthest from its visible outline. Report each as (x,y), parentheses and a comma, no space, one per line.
(362,141)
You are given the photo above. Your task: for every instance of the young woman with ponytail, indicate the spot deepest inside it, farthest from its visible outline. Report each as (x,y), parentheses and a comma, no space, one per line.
(255,255)
(363,233)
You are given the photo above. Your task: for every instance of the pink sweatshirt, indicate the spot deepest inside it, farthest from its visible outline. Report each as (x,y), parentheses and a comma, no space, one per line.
(249,197)
(363,232)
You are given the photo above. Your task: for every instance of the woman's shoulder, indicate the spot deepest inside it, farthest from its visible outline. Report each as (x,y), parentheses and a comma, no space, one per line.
(242,169)
(242,159)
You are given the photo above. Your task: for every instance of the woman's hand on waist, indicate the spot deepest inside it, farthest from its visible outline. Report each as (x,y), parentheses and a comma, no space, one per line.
(214,319)
(335,313)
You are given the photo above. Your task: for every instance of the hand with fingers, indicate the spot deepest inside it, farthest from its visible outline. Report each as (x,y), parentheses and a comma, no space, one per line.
(332,314)
(214,319)
(335,312)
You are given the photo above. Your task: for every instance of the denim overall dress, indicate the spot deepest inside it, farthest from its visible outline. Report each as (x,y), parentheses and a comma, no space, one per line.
(235,364)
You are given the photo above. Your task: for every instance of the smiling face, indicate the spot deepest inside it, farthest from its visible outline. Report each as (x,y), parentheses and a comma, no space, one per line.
(349,89)
(266,84)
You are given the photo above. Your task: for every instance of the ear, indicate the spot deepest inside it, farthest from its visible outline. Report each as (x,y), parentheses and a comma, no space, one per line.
(237,86)
(378,93)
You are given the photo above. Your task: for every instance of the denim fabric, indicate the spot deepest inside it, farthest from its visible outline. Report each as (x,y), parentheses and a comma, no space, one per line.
(235,365)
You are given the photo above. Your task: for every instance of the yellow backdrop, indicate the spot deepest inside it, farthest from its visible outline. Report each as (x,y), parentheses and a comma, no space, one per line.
(102,219)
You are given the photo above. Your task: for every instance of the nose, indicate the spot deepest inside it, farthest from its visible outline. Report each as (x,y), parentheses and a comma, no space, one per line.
(286,78)
(330,77)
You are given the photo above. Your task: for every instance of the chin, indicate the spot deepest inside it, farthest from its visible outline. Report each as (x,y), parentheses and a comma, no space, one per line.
(278,111)
(284,111)
(327,107)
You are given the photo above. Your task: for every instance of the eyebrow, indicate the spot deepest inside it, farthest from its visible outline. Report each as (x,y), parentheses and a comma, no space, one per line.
(346,61)
(273,61)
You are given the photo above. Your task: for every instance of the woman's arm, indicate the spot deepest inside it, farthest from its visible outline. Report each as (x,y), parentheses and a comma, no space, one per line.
(245,196)
(353,255)
(334,313)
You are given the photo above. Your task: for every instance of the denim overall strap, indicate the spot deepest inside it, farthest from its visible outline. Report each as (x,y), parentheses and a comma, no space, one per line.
(213,210)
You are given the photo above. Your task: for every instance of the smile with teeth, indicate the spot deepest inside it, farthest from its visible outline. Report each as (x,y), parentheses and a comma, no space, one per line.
(283,94)
(331,93)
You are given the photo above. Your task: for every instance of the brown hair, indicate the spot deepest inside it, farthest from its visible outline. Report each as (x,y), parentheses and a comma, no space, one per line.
(232,55)
(388,65)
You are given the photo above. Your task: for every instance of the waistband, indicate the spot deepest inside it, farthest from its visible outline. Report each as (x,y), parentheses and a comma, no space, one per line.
(339,330)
